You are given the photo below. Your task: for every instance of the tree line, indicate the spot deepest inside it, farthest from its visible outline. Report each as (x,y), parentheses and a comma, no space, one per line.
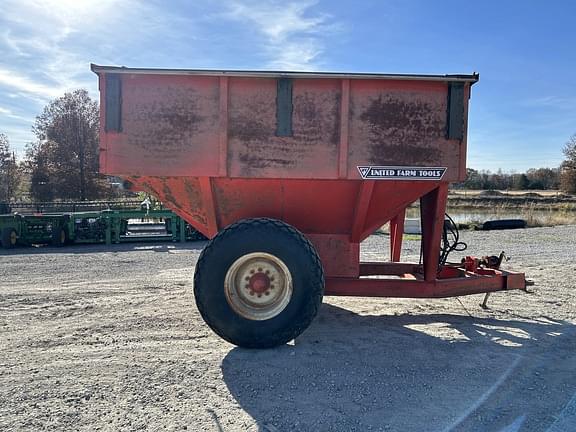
(533,179)
(562,178)
(62,164)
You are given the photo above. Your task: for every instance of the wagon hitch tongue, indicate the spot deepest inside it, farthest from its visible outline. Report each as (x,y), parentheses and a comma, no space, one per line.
(473,264)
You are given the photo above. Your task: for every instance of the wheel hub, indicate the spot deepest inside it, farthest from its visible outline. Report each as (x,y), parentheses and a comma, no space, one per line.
(259,283)
(258,286)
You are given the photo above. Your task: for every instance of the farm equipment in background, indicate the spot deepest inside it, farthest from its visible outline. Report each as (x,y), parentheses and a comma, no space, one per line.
(287,173)
(39,229)
(107,226)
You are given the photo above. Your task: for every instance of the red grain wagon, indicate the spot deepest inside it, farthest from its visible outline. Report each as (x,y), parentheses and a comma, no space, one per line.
(287,172)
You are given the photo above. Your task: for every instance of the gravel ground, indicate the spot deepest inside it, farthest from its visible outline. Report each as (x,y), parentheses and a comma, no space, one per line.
(109,338)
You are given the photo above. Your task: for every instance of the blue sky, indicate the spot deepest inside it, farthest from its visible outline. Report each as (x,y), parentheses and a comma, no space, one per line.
(522,111)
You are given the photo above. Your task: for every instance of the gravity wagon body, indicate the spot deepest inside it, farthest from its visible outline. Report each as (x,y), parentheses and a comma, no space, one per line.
(286,173)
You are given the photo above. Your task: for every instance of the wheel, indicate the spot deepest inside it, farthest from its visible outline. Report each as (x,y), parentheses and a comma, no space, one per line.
(59,236)
(258,283)
(9,238)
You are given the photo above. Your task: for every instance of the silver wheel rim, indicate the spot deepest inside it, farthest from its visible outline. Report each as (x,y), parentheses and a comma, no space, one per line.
(258,286)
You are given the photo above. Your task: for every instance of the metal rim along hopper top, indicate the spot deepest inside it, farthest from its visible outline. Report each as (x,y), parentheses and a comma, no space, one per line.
(288,172)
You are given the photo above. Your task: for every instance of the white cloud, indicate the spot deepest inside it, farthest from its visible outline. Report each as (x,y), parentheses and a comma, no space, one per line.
(297,56)
(560,102)
(55,19)
(8,41)
(10,114)
(278,21)
(24,84)
(41,36)
(40,58)
(293,34)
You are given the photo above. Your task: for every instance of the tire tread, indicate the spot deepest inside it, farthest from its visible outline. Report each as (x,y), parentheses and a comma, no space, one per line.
(315,300)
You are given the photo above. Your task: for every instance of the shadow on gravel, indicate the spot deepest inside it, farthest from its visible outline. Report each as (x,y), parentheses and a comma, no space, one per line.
(412,373)
(91,248)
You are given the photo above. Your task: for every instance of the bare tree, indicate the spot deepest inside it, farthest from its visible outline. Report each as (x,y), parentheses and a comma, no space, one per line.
(568,167)
(43,174)
(63,163)
(9,172)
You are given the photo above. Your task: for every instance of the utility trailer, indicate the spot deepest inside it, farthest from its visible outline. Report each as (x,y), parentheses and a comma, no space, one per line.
(287,172)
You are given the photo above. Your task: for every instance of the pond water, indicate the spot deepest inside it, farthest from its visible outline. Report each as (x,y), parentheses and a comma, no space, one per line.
(546,217)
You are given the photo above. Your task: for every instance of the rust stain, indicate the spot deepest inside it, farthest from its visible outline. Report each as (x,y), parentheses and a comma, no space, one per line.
(167,193)
(254,161)
(193,192)
(404,130)
(194,199)
(316,122)
(260,147)
(246,128)
(406,154)
(198,218)
(164,120)
(317,119)
(229,200)
(335,135)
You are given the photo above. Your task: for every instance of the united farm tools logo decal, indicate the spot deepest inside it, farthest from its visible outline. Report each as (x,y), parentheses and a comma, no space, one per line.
(401,173)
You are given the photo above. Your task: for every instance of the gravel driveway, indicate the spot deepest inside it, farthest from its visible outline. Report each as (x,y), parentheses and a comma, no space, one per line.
(109,338)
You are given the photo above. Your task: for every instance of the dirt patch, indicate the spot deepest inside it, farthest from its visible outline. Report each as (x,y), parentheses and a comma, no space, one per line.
(97,338)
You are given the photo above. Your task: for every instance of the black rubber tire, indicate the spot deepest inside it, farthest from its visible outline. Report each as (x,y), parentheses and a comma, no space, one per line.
(59,237)
(504,224)
(259,235)
(7,239)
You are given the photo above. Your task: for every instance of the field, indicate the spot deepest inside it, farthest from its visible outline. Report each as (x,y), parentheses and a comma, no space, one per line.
(109,338)
(513,200)
(532,193)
